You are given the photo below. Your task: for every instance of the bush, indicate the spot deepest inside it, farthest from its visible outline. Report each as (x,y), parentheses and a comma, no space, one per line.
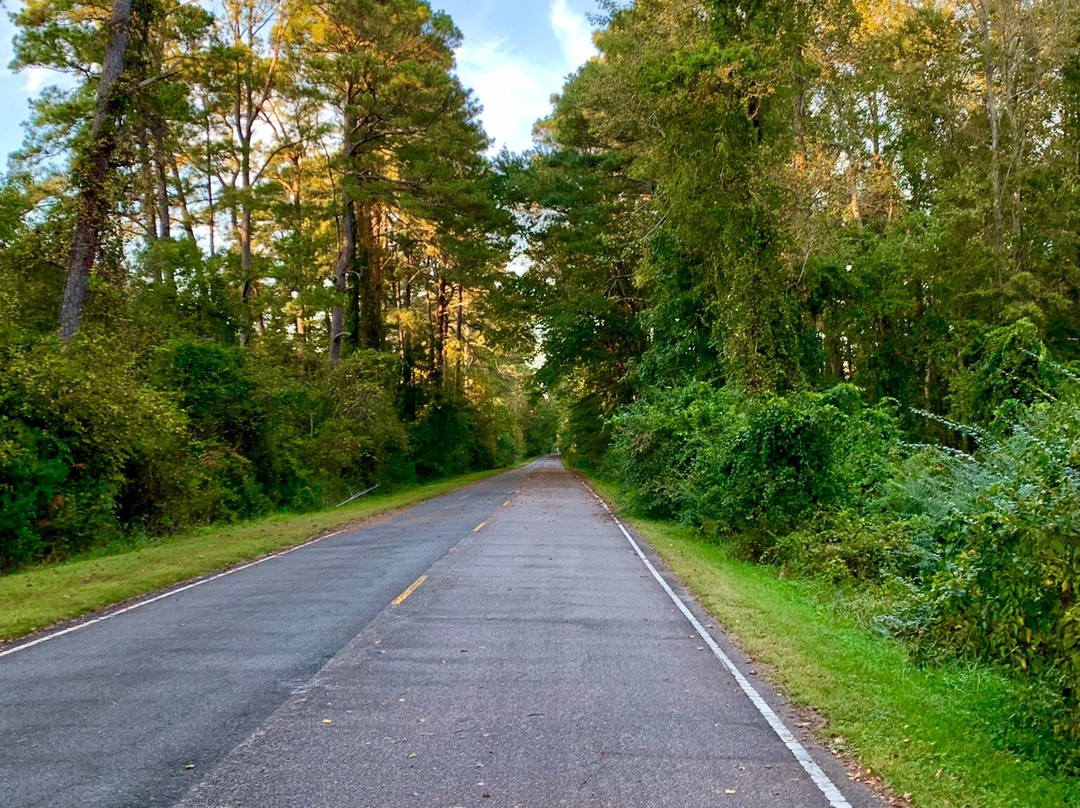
(76,424)
(986,545)
(359,439)
(453,436)
(1006,366)
(655,444)
(773,468)
(752,469)
(844,546)
(1006,521)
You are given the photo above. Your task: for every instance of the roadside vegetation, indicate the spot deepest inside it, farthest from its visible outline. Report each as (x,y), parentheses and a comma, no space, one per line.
(960,555)
(942,734)
(801,277)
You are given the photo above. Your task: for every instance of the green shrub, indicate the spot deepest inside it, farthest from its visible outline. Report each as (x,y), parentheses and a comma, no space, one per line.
(752,468)
(775,467)
(586,435)
(986,545)
(1006,521)
(843,546)
(77,422)
(1005,366)
(358,436)
(655,444)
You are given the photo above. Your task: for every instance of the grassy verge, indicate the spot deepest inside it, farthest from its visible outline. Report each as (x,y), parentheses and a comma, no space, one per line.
(43,596)
(945,736)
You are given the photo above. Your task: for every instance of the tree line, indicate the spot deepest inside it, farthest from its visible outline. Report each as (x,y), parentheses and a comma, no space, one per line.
(250,260)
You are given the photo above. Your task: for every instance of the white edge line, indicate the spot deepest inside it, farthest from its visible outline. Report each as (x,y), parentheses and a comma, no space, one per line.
(138,605)
(821,780)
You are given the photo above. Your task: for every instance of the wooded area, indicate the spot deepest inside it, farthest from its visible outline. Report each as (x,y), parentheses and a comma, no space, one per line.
(803,274)
(270,234)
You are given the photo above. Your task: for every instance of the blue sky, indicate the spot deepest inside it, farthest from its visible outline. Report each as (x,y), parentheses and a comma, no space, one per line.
(515,55)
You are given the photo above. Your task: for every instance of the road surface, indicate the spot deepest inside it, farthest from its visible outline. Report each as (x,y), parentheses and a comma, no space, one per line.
(505,645)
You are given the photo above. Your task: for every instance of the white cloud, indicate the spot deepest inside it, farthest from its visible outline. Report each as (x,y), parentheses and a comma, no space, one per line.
(38,78)
(574,34)
(516,91)
(512,93)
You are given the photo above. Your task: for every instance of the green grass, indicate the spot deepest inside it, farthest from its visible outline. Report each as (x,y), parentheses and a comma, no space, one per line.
(43,596)
(945,734)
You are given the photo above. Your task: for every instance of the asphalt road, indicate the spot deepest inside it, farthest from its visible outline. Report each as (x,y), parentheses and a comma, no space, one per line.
(539,663)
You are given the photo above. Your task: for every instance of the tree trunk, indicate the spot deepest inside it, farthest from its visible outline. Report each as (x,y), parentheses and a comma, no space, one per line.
(408,371)
(158,129)
(460,337)
(369,283)
(164,219)
(993,114)
(94,171)
(211,223)
(181,199)
(442,327)
(162,193)
(347,254)
(147,193)
(345,262)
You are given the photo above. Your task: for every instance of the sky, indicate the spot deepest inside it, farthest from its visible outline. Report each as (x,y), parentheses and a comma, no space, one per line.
(516,54)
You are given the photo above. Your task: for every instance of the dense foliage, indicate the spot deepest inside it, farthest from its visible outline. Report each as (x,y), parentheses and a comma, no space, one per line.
(806,275)
(268,240)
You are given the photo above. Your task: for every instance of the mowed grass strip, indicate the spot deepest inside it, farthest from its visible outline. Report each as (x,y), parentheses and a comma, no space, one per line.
(44,596)
(938,734)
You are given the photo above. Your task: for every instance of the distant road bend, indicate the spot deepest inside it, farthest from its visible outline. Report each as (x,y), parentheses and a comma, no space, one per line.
(510,644)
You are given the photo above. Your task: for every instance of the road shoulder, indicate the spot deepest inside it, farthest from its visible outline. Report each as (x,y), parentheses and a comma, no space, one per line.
(930,736)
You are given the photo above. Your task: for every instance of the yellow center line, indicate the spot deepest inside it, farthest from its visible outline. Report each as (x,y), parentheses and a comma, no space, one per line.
(412,588)
(479,527)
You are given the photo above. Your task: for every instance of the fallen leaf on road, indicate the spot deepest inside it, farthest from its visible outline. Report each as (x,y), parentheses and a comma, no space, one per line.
(189,766)
(729,791)
(327,721)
